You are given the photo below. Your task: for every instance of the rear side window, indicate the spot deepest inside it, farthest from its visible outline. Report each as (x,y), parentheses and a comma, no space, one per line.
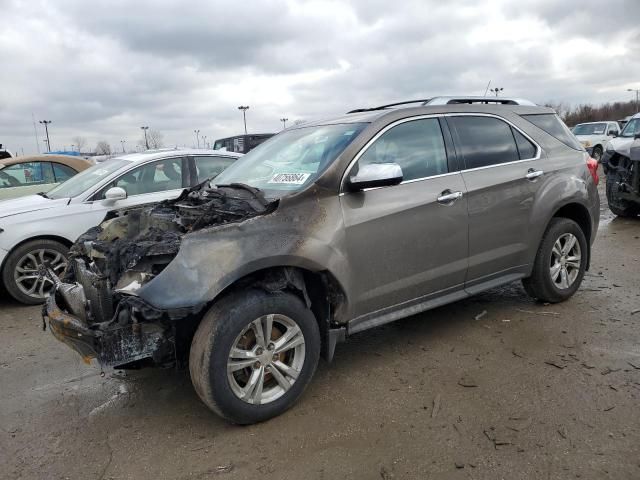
(417,146)
(526,149)
(484,141)
(551,123)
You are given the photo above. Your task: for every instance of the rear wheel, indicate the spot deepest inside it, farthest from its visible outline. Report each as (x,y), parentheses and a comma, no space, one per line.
(24,273)
(253,355)
(560,263)
(619,206)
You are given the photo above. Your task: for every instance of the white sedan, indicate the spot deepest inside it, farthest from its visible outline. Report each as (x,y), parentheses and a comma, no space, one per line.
(36,231)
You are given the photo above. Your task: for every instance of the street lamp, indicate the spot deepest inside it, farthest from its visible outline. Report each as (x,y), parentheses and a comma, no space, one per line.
(244,116)
(284,122)
(197,132)
(496,90)
(637,90)
(146,141)
(204,141)
(123,149)
(46,124)
(73,147)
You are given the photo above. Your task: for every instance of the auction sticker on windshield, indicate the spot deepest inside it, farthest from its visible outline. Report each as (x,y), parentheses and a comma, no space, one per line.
(290,178)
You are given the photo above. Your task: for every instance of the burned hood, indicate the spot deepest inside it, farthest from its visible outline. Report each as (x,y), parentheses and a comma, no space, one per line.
(132,246)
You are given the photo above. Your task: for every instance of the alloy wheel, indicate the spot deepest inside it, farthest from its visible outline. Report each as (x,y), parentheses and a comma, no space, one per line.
(265,359)
(565,261)
(30,274)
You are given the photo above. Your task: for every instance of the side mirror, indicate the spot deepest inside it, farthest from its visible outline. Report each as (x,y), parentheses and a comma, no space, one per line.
(114,194)
(375,175)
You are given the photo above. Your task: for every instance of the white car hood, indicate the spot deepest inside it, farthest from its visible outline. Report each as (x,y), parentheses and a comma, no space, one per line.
(619,144)
(593,139)
(30,203)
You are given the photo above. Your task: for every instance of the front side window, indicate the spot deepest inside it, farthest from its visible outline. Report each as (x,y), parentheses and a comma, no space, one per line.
(484,141)
(150,178)
(291,160)
(417,146)
(23,174)
(210,167)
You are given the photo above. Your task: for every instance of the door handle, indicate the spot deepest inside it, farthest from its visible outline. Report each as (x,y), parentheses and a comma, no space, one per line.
(532,174)
(448,197)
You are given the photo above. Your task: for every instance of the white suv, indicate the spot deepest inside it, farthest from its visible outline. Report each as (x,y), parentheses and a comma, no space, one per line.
(36,231)
(594,136)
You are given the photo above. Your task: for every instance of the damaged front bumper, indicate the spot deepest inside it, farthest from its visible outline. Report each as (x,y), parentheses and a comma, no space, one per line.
(122,340)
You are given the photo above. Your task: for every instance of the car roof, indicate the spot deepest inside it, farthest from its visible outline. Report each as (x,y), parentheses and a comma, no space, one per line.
(172,152)
(77,163)
(369,116)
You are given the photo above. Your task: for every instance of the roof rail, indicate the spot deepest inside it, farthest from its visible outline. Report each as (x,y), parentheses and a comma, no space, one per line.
(451,100)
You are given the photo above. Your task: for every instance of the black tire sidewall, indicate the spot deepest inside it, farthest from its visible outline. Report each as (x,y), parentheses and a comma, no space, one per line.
(558,228)
(244,309)
(12,261)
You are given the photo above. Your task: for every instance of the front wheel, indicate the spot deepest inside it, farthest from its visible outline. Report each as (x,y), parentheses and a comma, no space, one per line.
(253,355)
(560,263)
(619,206)
(597,153)
(25,271)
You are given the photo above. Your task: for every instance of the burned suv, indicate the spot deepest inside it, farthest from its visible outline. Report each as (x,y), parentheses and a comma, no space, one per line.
(326,230)
(621,164)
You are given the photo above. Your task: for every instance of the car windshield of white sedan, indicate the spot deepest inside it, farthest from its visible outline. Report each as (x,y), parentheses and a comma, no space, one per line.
(292,159)
(590,129)
(86,179)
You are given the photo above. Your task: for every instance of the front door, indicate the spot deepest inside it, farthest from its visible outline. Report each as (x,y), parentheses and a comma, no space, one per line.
(403,243)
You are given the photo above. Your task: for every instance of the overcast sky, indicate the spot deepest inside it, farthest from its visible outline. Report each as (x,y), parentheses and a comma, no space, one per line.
(102,69)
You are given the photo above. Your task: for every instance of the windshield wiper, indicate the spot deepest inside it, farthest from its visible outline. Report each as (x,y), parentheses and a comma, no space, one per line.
(42,194)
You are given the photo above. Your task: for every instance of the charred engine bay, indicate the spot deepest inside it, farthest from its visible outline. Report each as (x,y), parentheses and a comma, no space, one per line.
(132,246)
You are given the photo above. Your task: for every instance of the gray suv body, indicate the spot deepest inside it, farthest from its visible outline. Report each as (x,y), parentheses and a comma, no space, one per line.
(325,230)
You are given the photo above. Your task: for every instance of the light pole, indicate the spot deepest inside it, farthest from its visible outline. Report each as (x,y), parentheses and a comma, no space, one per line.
(244,116)
(73,147)
(123,142)
(496,90)
(146,142)
(197,132)
(204,141)
(637,90)
(284,122)
(46,124)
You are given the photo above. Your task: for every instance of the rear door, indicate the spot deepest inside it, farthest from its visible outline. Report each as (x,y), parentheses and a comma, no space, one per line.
(502,173)
(404,244)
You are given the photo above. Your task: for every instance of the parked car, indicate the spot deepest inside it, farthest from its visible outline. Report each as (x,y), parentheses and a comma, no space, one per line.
(36,231)
(326,230)
(621,164)
(20,176)
(241,143)
(595,135)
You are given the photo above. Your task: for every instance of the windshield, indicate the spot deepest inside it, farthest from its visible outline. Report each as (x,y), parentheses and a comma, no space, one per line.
(590,129)
(86,179)
(632,128)
(291,160)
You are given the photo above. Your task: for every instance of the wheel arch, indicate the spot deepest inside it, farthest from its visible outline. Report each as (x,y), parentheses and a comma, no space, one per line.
(580,214)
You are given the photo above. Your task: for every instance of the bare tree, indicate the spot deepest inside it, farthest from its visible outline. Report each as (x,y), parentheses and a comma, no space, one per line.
(79,142)
(154,138)
(103,148)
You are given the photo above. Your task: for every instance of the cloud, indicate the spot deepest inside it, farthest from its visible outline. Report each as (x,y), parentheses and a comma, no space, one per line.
(102,69)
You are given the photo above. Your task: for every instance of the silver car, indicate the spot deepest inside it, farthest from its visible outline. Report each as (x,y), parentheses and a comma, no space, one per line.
(328,229)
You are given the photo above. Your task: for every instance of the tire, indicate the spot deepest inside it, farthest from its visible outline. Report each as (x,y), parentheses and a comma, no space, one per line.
(228,324)
(542,285)
(622,208)
(596,154)
(29,258)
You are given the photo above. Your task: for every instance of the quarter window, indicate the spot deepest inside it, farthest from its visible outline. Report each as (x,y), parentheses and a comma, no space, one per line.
(417,146)
(484,141)
(62,172)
